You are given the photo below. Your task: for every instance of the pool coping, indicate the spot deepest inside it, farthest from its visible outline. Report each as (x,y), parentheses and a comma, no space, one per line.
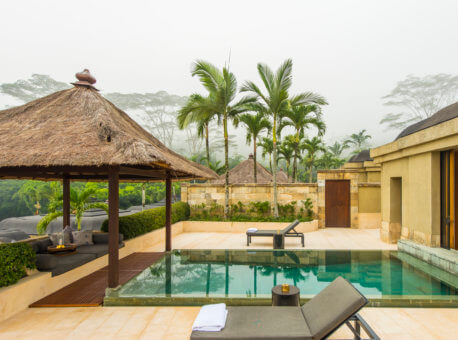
(112,299)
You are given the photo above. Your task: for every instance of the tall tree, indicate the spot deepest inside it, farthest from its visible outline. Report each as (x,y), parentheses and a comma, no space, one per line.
(267,146)
(312,146)
(196,111)
(254,125)
(337,149)
(301,117)
(359,141)
(417,98)
(286,152)
(277,100)
(222,88)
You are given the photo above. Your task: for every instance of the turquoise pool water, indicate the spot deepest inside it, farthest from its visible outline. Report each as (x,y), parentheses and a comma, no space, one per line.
(214,274)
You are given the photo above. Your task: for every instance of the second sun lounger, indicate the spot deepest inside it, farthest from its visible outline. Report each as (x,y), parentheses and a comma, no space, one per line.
(289,231)
(334,306)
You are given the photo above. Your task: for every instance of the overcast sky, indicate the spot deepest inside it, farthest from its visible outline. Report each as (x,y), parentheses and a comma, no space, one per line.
(351,52)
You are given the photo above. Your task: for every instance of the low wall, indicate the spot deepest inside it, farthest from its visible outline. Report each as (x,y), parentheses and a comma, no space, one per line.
(208,193)
(241,227)
(37,285)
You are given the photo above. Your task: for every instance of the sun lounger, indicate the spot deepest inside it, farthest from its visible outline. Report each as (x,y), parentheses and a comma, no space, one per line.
(289,231)
(334,306)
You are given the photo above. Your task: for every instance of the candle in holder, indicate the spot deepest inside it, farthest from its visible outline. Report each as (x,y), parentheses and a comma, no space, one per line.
(285,287)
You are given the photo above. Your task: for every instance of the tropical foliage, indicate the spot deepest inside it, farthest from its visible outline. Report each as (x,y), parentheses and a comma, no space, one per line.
(276,101)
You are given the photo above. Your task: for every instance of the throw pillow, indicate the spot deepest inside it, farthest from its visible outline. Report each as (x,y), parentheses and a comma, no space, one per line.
(82,238)
(68,236)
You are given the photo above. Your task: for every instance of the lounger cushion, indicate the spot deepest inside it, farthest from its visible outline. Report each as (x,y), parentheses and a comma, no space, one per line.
(262,232)
(332,306)
(265,322)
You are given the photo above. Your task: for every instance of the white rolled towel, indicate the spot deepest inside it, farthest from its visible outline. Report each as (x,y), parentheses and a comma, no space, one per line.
(252,230)
(211,318)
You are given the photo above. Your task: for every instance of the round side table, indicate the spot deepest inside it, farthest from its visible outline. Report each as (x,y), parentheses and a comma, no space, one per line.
(289,298)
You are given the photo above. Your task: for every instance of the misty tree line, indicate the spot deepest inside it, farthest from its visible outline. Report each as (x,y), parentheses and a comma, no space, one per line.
(300,149)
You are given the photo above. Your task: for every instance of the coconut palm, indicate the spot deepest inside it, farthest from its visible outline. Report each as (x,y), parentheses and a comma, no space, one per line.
(286,152)
(277,100)
(222,90)
(80,201)
(254,125)
(217,167)
(312,146)
(301,117)
(267,146)
(359,141)
(198,110)
(337,149)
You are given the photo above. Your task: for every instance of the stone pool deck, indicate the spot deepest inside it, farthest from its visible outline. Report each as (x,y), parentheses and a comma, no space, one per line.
(171,323)
(329,238)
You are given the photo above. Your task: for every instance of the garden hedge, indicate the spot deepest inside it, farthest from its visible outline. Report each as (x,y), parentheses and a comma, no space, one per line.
(145,221)
(14,259)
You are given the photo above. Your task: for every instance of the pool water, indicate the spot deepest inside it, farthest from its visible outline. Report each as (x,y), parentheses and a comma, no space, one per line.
(252,274)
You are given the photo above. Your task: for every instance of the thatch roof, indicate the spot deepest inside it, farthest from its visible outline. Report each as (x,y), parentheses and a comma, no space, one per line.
(447,113)
(244,173)
(282,177)
(363,156)
(79,129)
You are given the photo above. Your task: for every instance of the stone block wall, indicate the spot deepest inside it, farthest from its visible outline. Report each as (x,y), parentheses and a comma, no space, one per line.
(208,193)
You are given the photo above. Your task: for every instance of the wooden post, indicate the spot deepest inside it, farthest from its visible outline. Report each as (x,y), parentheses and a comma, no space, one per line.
(113,227)
(66,201)
(168,213)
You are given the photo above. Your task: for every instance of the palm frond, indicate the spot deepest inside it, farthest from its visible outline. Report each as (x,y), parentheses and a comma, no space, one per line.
(44,222)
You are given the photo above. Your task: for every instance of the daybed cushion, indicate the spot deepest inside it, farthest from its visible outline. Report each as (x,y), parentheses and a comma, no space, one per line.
(46,262)
(68,262)
(97,249)
(41,246)
(252,322)
(332,306)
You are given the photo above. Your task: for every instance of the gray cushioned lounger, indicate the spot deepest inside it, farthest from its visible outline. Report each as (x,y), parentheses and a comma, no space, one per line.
(335,305)
(288,231)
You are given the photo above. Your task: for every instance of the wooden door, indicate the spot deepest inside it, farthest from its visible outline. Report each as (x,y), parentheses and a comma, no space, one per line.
(337,203)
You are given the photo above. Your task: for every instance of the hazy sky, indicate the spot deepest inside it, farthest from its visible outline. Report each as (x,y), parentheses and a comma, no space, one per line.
(352,52)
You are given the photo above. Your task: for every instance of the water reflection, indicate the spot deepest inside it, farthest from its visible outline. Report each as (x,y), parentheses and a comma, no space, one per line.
(240,273)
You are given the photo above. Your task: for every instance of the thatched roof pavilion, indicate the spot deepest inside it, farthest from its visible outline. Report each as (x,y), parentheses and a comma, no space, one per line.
(282,177)
(77,134)
(244,173)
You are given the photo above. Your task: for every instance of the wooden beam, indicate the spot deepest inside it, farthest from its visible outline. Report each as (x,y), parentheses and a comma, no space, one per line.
(113,227)
(168,213)
(66,201)
(124,170)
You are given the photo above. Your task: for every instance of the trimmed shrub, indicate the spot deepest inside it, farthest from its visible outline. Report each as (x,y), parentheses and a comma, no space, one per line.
(15,258)
(145,221)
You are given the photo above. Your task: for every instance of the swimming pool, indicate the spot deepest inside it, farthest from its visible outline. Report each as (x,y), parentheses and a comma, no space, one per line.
(189,277)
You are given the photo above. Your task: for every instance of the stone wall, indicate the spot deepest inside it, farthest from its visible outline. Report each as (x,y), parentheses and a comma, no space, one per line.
(207,193)
(364,194)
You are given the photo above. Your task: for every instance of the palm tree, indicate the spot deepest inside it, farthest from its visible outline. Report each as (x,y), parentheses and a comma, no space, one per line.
(286,152)
(358,140)
(301,117)
(217,167)
(80,201)
(337,149)
(198,110)
(222,88)
(277,100)
(267,146)
(254,125)
(312,146)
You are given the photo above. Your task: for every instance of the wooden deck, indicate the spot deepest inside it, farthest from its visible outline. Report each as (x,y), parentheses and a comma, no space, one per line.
(90,290)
